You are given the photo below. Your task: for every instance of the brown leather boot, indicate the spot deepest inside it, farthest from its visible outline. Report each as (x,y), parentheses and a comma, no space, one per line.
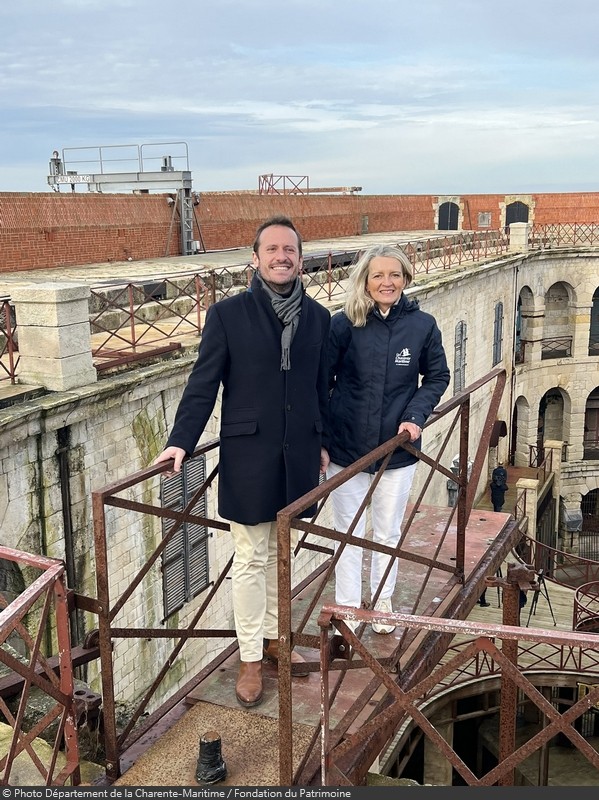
(271,652)
(248,688)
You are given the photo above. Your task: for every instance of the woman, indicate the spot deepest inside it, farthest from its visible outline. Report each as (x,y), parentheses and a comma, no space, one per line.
(380,345)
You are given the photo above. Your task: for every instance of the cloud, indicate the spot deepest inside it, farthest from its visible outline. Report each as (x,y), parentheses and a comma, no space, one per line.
(395,96)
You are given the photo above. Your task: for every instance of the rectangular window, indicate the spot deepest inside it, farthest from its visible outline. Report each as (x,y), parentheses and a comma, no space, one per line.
(484,219)
(498,334)
(185,566)
(591,432)
(459,362)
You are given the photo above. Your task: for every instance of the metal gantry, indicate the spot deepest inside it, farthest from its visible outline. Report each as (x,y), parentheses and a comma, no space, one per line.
(160,166)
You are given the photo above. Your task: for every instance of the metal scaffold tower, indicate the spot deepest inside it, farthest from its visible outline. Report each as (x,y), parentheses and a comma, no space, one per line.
(159,166)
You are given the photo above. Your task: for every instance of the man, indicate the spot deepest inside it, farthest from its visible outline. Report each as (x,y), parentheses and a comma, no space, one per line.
(498,486)
(268,349)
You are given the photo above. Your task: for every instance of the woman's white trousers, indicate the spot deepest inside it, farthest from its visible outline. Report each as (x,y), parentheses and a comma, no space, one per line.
(388,506)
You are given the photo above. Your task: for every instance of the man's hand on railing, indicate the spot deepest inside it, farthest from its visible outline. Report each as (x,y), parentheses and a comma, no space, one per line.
(177,454)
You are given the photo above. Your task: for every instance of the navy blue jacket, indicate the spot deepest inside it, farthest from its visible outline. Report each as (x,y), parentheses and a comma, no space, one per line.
(271,420)
(374,374)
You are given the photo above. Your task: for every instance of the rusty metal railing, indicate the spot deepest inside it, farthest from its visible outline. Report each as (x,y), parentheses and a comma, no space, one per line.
(520,512)
(416,650)
(564,235)
(130,324)
(24,622)
(559,566)
(585,615)
(9,354)
(441,253)
(557,347)
(453,569)
(132,321)
(560,652)
(540,460)
(112,625)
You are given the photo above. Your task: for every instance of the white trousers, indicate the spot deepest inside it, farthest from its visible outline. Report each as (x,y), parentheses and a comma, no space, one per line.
(254,585)
(388,505)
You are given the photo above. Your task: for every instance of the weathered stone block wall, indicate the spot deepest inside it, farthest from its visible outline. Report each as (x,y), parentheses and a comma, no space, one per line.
(470,296)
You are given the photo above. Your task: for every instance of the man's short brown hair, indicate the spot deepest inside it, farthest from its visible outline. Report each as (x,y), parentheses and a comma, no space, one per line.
(277,220)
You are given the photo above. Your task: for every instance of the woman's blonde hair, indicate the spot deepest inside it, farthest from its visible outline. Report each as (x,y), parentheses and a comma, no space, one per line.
(358,302)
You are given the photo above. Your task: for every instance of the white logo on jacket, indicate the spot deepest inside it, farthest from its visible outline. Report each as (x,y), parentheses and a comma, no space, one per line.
(403,358)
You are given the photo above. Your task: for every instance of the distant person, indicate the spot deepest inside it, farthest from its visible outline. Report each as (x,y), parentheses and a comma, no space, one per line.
(482,600)
(499,474)
(267,347)
(388,371)
(498,486)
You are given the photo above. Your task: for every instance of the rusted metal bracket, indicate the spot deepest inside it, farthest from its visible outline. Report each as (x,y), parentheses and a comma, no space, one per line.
(521,575)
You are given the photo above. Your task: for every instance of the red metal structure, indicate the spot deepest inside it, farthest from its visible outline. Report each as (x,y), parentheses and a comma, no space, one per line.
(23,628)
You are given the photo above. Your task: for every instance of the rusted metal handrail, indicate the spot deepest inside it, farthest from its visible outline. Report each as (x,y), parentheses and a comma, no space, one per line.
(585,616)
(541,460)
(136,325)
(112,630)
(25,619)
(559,566)
(564,235)
(289,518)
(479,658)
(130,321)
(9,355)
(520,512)
(535,455)
(108,610)
(136,319)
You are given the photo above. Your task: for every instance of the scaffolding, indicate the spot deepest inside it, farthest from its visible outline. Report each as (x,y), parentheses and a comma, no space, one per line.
(159,166)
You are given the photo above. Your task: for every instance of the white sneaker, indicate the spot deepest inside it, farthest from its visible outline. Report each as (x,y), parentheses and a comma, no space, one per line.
(383,605)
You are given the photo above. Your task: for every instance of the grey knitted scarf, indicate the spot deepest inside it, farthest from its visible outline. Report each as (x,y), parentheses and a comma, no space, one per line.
(288,310)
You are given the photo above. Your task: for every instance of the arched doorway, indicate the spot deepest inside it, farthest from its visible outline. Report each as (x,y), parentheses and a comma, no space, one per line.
(588,542)
(516,212)
(448,216)
(514,436)
(550,423)
(519,444)
(524,310)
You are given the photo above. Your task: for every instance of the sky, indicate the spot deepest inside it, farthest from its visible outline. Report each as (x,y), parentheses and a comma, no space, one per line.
(395,96)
